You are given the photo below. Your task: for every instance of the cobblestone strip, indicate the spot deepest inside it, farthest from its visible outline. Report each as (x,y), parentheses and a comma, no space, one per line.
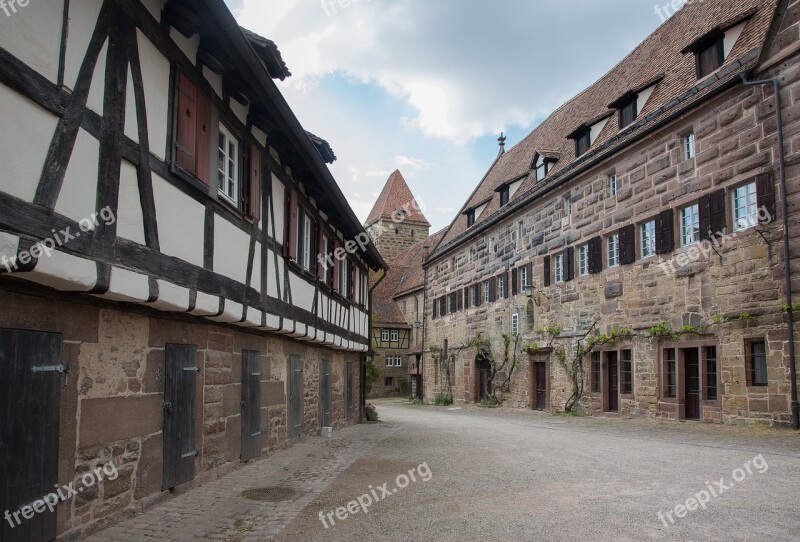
(217,510)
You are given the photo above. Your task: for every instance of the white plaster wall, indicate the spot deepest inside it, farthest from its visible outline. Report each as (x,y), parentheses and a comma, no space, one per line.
(127,286)
(8,247)
(231,313)
(78,197)
(214,79)
(180,233)
(205,304)
(479,210)
(25,130)
(189,46)
(33,34)
(231,250)
(130,221)
(131,121)
(274,276)
(513,187)
(260,136)
(155,77)
(64,272)
(731,37)
(278,197)
(82,21)
(97,89)
(644,95)
(302,292)
(171,297)
(596,129)
(257,275)
(240,110)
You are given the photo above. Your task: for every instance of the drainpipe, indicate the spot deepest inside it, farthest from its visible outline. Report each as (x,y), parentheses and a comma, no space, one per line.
(787,271)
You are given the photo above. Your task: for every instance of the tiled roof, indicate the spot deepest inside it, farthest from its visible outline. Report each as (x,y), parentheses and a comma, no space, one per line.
(396,196)
(324,148)
(405,275)
(658,58)
(269,54)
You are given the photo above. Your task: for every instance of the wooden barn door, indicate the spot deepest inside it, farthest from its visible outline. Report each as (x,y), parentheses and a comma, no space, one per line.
(295,396)
(251,405)
(325,394)
(692,383)
(181,369)
(31,375)
(541,385)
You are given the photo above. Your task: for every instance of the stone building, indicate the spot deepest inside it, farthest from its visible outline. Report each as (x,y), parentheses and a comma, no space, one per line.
(399,230)
(165,317)
(635,239)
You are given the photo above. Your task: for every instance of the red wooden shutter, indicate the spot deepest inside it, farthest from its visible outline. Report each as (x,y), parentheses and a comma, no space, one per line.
(292,225)
(765,191)
(719,221)
(547,270)
(665,232)
(203,135)
(253,207)
(186,129)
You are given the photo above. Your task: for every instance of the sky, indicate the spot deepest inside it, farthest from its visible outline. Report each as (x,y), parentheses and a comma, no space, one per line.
(427,86)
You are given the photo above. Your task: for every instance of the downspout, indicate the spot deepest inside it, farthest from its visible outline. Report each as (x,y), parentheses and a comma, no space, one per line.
(370,352)
(787,271)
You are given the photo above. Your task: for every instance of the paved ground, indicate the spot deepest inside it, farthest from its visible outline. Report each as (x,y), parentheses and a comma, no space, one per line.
(504,475)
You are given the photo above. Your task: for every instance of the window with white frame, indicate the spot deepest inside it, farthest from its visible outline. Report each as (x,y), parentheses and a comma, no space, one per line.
(613,250)
(567,208)
(343,276)
(648,239)
(688,146)
(501,286)
(326,247)
(583,260)
(486,291)
(559,268)
(395,335)
(745,207)
(473,296)
(385,335)
(612,185)
(515,323)
(524,277)
(690,224)
(305,258)
(451,304)
(228,165)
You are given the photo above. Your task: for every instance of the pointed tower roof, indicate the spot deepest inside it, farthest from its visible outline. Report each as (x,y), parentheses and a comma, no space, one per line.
(396,200)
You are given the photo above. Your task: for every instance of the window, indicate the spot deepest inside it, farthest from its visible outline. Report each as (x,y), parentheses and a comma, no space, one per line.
(325,264)
(626,372)
(451,303)
(710,56)
(745,207)
(541,171)
(486,291)
(596,372)
(473,296)
(559,268)
(583,260)
(228,166)
(613,250)
(612,185)
(628,112)
(567,208)
(389,382)
(710,377)
(390,361)
(583,142)
(515,323)
(501,286)
(385,335)
(504,192)
(521,230)
(688,146)
(670,377)
(343,278)
(524,277)
(757,362)
(690,225)
(648,239)
(470,218)
(395,335)
(304,249)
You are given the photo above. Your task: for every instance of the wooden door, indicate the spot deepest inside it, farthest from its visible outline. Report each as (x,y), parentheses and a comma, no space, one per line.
(31,377)
(613,382)
(295,396)
(351,391)
(251,405)
(325,394)
(692,384)
(540,370)
(484,380)
(180,363)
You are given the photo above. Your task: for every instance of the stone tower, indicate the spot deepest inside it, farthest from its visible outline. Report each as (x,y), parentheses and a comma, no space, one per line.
(396,222)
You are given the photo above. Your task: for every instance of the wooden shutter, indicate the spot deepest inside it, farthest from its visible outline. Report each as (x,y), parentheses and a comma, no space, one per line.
(335,267)
(719,220)
(765,190)
(319,267)
(186,129)
(466,297)
(492,289)
(506,286)
(627,244)
(180,362)
(459,301)
(514,281)
(351,283)
(665,232)
(203,134)
(530,274)
(253,201)
(292,217)
(435,309)
(704,210)
(595,255)
(478,296)
(547,270)
(569,262)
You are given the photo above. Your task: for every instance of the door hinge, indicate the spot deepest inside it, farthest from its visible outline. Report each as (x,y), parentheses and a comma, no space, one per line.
(257,434)
(256,374)
(190,454)
(60,368)
(192,369)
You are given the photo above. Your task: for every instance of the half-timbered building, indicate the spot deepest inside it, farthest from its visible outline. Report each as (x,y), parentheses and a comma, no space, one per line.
(184,285)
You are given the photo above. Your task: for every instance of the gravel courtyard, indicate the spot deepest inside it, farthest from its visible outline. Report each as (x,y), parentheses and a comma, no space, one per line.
(465,474)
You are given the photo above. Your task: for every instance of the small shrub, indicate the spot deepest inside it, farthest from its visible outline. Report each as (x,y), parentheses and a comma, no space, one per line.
(372,413)
(442,399)
(660,330)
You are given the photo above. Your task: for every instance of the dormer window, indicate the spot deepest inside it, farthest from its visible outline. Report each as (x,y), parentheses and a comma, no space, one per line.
(470,218)
(628,112)
(710,56)
(503,196)
(541,171)
(543,162)
(712,49)
(582,142)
